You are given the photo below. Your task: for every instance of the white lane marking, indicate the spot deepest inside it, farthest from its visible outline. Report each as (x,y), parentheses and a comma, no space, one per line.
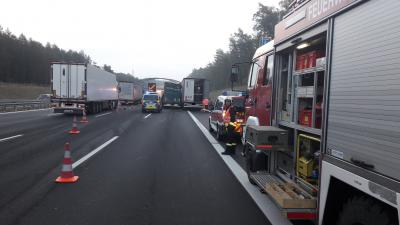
(33,110)
(104,114)
(147,116)
(9,138)
(92,153)
(263,202)
(55,114)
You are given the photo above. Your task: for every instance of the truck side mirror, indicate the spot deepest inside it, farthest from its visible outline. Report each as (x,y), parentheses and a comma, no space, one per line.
(234,73)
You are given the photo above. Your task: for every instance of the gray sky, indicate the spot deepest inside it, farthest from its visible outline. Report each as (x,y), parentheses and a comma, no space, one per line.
(152,37)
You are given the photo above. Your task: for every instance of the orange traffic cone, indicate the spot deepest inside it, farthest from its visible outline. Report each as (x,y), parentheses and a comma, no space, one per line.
(67,173)
(84,118)
(74,129)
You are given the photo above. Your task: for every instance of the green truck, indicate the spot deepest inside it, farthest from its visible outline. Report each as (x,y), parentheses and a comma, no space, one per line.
(172,93)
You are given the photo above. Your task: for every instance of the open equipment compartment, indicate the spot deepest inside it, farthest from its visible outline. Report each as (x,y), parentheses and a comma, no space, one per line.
(291,177)
(269,155)
(309,81)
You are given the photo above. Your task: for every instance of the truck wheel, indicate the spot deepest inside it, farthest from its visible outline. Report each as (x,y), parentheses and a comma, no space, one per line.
(209,126)
(249,165)
(360,210)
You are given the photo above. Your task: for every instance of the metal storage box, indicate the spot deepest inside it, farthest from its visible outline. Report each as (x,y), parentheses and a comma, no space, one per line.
(268,138)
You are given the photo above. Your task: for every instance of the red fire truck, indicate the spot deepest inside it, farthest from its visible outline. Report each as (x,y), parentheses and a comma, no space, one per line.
(325,96)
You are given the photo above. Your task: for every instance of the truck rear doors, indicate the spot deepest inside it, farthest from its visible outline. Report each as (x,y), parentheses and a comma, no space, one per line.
(68,80)
(188,90)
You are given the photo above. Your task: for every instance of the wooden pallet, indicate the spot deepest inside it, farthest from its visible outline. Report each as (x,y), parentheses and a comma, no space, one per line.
(286,195)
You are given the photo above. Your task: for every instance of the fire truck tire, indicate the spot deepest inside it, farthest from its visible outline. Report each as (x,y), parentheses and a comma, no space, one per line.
(363,211)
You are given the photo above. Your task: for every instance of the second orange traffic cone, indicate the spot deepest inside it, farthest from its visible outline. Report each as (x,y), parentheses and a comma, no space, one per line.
(84,118)
(74,129)
(67,173)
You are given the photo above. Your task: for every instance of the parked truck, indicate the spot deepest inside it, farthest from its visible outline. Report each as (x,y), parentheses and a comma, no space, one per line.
(76,87)
(129,93)
(172,93)
(194,91)
(323,101)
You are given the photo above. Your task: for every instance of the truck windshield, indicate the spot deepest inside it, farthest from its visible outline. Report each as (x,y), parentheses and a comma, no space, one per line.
(150,97)
(238,102)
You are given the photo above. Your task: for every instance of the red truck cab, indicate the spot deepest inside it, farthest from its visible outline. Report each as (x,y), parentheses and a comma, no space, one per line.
(218,116)
(259,86)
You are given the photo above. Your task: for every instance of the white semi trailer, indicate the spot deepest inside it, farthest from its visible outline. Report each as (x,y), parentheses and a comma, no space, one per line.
(82,86)
(129,93)
(194,90)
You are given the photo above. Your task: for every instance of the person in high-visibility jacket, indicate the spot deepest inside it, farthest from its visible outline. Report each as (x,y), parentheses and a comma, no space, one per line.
(231,127)
(205,103)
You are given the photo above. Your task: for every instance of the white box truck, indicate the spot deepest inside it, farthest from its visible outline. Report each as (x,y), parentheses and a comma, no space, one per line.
(129,93)
(194,90)
(82,86)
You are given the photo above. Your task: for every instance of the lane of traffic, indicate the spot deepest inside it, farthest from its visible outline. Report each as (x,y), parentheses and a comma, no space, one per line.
(28,166)
(160,171)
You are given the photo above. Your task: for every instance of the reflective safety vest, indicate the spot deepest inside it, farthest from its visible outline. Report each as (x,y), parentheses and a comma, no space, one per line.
(236,126)
(227,116)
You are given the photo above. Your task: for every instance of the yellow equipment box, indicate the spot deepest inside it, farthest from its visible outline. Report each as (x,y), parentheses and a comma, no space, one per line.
(305,167)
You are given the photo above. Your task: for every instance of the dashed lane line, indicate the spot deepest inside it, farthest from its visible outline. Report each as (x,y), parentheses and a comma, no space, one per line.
(104,114)
(92,153)
(12,137)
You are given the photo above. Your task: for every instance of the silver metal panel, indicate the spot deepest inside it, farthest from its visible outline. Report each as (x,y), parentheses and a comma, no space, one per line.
(77,81)
(101,85)
(188,90)
(64,78)
(137,92)
(126,91)
(364,105)
(56,80)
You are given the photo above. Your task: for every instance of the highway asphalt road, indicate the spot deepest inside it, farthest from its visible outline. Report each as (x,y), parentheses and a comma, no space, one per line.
(159,169)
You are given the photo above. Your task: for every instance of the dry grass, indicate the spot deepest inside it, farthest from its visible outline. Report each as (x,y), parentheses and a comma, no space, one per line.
(22,91)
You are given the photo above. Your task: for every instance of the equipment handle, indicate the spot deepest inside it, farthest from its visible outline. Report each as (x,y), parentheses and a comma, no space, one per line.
(362,164)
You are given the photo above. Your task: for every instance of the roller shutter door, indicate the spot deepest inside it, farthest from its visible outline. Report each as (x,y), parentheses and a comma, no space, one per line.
(364,105)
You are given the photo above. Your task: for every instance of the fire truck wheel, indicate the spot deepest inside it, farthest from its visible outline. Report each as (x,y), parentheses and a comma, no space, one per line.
(363,211)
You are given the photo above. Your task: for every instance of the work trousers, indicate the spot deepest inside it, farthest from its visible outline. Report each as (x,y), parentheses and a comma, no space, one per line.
(230,144)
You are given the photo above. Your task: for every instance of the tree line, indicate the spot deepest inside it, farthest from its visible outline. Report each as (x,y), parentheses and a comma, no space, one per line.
(25,60)
(242,47)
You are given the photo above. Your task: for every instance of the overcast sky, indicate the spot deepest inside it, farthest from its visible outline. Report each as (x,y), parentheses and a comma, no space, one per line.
(153,37)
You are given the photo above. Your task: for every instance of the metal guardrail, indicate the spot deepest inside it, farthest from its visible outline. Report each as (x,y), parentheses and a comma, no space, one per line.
(22,105)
